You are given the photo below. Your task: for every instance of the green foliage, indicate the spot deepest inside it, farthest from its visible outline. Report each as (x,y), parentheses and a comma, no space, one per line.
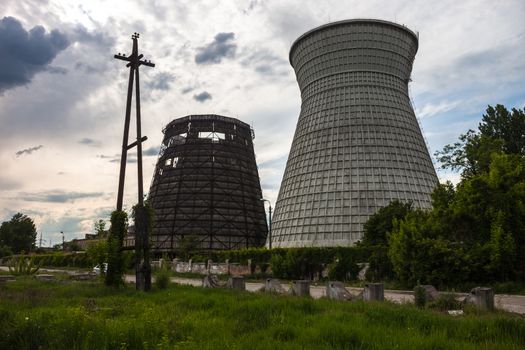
(380,268)
(97,254)
(305,263)
(117,231)
(143,217)
(86,316)
(162,278)
(19,234)
(380,224)
(502,251)
(99,227)
(416,257)
(420,296)
(499,123)
(343,268)
(23,266)
(446,301)
(187,246)
(499,132)
(5,251)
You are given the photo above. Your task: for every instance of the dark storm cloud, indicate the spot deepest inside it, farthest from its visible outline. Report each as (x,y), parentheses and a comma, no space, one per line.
(221,47)
(28,151)
(152,151)
(203,96)
(25,53)
(161,81)
(57,196)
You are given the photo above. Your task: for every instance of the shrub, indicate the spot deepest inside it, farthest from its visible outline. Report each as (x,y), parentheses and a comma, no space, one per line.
(119,225)
(23,266)
(162,279)
(420,296)
(446,302)
(343,268)
(5,251)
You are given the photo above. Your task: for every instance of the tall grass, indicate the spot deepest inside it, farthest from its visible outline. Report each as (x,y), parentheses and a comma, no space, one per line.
(89,316)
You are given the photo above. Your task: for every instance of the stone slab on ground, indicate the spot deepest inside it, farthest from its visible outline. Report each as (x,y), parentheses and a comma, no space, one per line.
(336,290)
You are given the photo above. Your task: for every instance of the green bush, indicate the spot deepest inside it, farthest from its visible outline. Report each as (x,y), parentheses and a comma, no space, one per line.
(380,267)
(343,268)
(119,226)
(162,279)
(5,251)
(446,301)
(23,266)
(420,296)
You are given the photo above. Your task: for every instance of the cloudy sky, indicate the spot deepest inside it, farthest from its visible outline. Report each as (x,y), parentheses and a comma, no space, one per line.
(62,95)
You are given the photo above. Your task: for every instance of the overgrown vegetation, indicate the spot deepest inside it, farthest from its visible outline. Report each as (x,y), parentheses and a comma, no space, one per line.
(23,266)
(116,263)
(476,231)
(88,316)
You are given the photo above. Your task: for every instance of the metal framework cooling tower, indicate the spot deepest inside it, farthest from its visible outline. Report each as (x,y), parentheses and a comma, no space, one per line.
(206,186)
(357,145)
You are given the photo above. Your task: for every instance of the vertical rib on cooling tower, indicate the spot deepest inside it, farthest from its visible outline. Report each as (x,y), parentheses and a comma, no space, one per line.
(206,186)
(357,145)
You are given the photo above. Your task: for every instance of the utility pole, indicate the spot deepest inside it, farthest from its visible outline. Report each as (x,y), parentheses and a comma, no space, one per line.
(63,241)
(134,62)
(142,266)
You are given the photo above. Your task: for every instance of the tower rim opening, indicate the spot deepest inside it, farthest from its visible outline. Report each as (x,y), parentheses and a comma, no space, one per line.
(351,21)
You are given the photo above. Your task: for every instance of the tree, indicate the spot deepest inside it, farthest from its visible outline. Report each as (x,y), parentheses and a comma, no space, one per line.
(188,246)
(97,253)
(502,250)
(380,224)
(100,228)
(418,258)
(500,131)
(499,123)
(19,233)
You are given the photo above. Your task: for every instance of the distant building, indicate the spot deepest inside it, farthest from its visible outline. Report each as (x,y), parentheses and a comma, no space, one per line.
(83,243)
(357,145)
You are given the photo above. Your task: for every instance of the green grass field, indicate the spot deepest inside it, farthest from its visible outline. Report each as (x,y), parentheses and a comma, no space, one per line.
(86,315)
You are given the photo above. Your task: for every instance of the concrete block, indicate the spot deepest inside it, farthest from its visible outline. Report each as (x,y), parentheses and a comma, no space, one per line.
(481,297)
(374,292)
(237,282)
(300,288)
(336,290)
(211,281)
(43,277)
(273,285)
(431,293)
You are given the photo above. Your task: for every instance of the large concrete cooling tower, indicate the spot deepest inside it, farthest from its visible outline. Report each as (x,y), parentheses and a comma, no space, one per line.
(206,186)
(357,145)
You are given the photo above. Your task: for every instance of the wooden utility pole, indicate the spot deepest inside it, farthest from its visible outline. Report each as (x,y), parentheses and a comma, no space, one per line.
(134,61)
(142,266)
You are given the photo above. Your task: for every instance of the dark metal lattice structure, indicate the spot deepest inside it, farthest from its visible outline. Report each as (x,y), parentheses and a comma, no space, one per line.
(206,186)
(357,145)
